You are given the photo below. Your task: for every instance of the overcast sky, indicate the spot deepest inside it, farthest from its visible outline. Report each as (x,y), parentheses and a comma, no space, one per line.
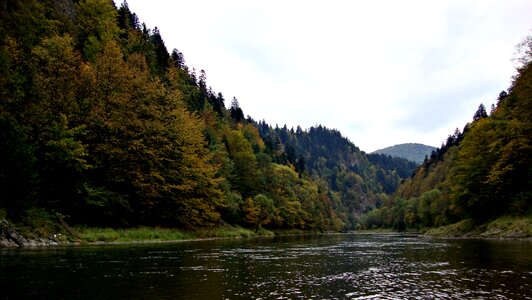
(382,72)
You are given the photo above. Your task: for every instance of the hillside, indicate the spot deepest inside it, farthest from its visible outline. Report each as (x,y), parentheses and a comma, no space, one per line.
(410,151)
(102,126)
(356,183)
(402,167)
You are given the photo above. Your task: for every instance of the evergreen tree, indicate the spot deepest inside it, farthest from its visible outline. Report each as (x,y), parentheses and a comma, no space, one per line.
(237,115)
(480,113)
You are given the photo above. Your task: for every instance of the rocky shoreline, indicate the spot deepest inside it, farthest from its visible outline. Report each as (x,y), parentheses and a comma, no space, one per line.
(10,238)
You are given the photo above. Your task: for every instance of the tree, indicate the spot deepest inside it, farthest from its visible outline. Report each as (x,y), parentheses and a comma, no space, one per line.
(283,183)
(96,25)
(56,80)
(26,21)
(245,177)
(480,113)
(162,58)
(127,19)
(62,166)
(55,121)
(178,59)
(251,212)
(237,115)
(147,148)
(300,164)
(264,210)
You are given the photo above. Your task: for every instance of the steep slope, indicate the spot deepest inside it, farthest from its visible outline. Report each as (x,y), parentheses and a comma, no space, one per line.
(354,182)
(410,151)
(403,167)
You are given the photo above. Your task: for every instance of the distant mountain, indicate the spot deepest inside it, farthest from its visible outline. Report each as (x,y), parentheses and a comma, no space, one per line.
(411,151)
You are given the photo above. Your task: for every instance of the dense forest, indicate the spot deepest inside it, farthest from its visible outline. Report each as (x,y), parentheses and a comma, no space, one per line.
(480,174)
(100,125)
(356,182)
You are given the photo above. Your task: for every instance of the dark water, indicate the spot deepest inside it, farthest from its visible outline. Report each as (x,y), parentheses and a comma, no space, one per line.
(324,267)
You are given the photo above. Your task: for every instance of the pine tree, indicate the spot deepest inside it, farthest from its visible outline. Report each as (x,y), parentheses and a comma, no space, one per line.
(237,115)
(480,113)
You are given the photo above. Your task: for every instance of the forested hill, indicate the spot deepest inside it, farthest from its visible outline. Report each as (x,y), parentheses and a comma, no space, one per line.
(100,125)
(356,184)
(410,151)
(480,174)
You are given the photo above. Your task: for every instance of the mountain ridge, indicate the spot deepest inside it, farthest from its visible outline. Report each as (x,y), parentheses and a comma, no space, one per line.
(415,152)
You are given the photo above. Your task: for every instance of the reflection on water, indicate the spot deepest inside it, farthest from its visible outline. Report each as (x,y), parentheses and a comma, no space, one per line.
(322,267)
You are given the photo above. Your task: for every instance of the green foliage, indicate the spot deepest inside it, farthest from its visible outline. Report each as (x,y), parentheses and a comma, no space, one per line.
(404,168)
(259,211)
(241,153)
(459,228)
(494,166)
(510,227)
(471,195)
(96,25)
(230,232)
(27,21)
(131,234)
(157,234)
(344,174)
(107,139)
(38,223)
(55,78)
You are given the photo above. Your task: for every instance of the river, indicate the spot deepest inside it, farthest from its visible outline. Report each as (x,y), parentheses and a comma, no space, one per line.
(294,267)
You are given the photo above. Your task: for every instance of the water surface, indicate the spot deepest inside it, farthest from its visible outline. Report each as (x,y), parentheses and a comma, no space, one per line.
(301,267)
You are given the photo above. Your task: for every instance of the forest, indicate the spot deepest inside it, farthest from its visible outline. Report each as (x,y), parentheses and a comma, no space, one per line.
(101,125)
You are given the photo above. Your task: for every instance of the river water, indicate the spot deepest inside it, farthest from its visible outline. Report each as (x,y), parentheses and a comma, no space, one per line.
(297,267)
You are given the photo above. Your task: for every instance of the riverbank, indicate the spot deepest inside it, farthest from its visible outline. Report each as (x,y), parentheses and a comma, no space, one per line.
(157,234)
(57,234)
(505,227)
(12,235)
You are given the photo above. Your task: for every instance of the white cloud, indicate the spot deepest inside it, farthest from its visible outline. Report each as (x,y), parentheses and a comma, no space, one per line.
(382,72)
